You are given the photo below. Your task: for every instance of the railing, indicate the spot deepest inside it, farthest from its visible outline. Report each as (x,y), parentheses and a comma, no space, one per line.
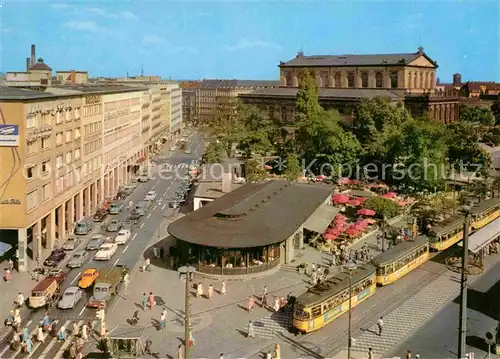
(238,270)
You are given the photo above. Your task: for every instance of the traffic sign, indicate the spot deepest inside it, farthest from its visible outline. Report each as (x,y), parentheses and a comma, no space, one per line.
(489,338)
(101,306)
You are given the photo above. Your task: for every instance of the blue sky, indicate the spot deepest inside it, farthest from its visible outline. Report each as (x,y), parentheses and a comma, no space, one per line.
(245,40)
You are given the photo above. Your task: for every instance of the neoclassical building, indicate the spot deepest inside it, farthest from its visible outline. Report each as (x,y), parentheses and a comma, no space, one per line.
(345,80)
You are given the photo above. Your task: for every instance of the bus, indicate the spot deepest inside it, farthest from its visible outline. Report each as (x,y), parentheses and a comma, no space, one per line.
(400,260)
(447,233)
(485,212)
(328,300)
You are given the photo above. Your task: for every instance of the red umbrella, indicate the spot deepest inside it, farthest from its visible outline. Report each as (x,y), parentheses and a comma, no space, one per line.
(361,199)
(340,198)
(370,220)
(321,177)
(340,216)
(329,236)
(366,212)
(390,194)
(344,181)
(352,232)
(354,202)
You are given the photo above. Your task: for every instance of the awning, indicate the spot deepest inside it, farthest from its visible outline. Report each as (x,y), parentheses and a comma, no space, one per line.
(484,236)
(4,248)
(321,218)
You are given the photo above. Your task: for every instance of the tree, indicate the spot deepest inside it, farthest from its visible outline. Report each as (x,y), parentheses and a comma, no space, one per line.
(292,169)
(260,133)
(495,109)
(383,207)
(254,170)
(496,186)
(476,114)
(212,152)
(479,189)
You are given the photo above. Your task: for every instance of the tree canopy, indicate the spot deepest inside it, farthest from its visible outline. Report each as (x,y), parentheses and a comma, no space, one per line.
(476,114)
(383,207)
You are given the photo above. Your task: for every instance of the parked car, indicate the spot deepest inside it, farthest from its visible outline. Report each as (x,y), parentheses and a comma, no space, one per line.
(106,251)
(115,207)
(58,274)
(143,178)
(114,226)
(88,277)
(174,204)
(55,257)
(122,237)
(79,258)
(100,215)
(71,244)
(150,196)
(95,242)
(128,188)
(70,298)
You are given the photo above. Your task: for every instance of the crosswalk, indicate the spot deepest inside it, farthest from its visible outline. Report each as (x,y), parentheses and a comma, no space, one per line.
(50,347)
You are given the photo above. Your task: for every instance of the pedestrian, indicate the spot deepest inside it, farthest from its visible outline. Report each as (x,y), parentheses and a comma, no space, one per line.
(135,318)
(40,337)
(62,333)
(251,332)
(264,301)
(199,290)
(277,305)
(264,291)
(163,321)
(147,348)
(210,291)
(370,353)
(29,345)
(11,265)
(269,355)
(417,356)
(251,303)
(144,301)
(223,288)
(75,330)
(126,281)
(314,278)
(79,344)
(147,264)
(85,335)
(155,252)
(380,324)
(408,354)
(72,351)
(313,267)
(180,351)
(151,301)
(277,352)
(191,341)
(6,276)
(162,253)
(26,333)
(19,299)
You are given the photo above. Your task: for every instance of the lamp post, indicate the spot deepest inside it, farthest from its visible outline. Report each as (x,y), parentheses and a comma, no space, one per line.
(462,325)
(350,267)
(384,223)
(187,270)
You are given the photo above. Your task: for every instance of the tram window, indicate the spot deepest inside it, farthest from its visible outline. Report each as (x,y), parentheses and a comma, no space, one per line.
(301,314)
(316,310)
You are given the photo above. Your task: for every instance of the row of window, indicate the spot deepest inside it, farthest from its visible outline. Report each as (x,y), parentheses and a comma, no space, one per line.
(68,157)
(67,136)
(92,146)
(91,128)
(92,110)
(38,196)
(40,144)
(32,171)
(395,266)
(122,149)
(40,119)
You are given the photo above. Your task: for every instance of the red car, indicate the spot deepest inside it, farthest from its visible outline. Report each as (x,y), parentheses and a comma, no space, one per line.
(58,274)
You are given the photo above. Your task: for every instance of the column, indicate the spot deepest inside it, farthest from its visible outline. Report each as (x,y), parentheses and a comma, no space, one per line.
(93,193)
(100,184)
(61,215)
(51,229)
(87,203)
(289,247)
(37,242)
(70,216)
(79,206)
(22,242)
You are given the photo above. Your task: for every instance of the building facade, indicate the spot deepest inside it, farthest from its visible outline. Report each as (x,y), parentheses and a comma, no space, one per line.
(72,77)
(345,80)
(72,151)
(189,96)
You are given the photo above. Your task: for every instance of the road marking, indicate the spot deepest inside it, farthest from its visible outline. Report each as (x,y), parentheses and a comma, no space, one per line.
(125,249)
(74,280)
(169,187)
(163,207)
(148,217)
(133,237)
(52,342)
(152,188)
(67,343)
(116,262)
(164,193)
(37,344)
(81,311)
(154,207)
(142,225)
(158,181)
(7,347)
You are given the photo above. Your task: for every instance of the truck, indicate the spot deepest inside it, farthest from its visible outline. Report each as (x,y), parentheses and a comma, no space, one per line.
(106,285)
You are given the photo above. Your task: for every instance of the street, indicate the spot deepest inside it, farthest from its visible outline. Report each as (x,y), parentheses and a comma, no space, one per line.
(130,254)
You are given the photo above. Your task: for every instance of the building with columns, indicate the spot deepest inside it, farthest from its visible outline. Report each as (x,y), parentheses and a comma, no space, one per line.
(63,152)
(345,80)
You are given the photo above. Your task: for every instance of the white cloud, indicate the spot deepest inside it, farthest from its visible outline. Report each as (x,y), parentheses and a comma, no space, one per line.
(245,44)
(61,6)
(83,26)
(153,39)
(127,15)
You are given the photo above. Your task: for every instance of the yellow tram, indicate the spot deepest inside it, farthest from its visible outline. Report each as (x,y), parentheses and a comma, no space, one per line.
(328,300)
(401,259)
(485,212)
(446,234)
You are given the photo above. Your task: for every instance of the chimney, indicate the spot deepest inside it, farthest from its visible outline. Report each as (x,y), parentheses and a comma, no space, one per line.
(73,78)
(33,55)
(226,182)
(28,64)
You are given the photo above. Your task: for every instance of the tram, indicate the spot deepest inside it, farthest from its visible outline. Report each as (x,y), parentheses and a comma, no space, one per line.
(328,300)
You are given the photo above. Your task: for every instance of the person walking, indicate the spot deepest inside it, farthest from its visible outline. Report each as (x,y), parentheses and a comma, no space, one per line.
(85,334)
(251,303)
(210,291)
(277,351)
(314,278)
(144,301)
(277,305)
(19,300)
(151,301)
(180,351)
(126,281)
(370,353)
(223,289)
(40,337)
(163,321)
(11,265)
(380,325)
(269,355)
(264,301)
(62,333)
(408,354)
(75,330)
(155,252)
(199,290)
(264,291)
(191,341)
(251,332)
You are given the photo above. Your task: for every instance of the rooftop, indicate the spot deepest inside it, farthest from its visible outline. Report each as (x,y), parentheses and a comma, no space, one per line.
(354,60)
(345,93)
(40,66)
(400,250)
(208,84)
(255,214)
(212,190)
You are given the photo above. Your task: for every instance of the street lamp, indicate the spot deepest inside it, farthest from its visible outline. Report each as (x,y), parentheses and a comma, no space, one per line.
(384,223)
(187,270)
(350,267)
(462,325)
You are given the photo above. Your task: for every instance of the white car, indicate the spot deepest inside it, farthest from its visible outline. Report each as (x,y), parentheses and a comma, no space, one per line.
(122,237)
(150,196)
(106,251)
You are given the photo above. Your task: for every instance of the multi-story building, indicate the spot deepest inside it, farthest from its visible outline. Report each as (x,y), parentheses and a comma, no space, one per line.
(37,75)
(174,93)
(72,77)
(345,80)
(212,93)
(63,152)
(189,94)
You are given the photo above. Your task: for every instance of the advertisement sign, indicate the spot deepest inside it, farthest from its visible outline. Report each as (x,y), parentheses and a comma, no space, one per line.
(9,135)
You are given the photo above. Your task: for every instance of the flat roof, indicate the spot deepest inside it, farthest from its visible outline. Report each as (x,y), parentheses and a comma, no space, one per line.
(448,225)
(334,285)
(253,215)
(212,190)
(321,218)
(483,236)
(19,94)
(399,250)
